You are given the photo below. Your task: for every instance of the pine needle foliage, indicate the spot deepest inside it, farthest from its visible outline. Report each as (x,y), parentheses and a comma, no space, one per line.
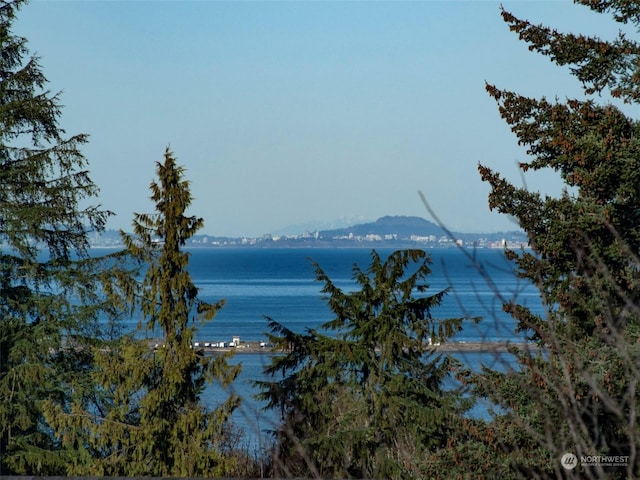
(49,298)
(577,391)
(363,395)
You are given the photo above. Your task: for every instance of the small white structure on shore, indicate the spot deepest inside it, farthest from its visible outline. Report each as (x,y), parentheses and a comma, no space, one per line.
(235,342)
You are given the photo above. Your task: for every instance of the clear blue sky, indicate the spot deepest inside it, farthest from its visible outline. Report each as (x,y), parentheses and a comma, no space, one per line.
(286,113)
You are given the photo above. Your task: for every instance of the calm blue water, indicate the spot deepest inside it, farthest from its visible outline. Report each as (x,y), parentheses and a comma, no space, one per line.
(280,283)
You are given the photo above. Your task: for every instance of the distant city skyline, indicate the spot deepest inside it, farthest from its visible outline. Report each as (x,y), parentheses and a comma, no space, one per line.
(386,232)
(299,113)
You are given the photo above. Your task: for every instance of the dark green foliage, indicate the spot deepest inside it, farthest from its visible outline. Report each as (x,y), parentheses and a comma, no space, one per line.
(579,393)
(155,424)
(366,400)
(48,291)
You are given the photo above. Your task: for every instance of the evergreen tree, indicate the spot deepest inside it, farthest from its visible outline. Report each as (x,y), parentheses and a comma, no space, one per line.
(156,424)
(365,399)
(577,390)
(48,294)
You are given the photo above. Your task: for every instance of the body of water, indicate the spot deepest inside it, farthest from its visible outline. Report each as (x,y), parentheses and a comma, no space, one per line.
(281,284)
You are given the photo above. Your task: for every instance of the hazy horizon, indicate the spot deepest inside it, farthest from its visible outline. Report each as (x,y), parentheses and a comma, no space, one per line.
(339,223)
(286,113)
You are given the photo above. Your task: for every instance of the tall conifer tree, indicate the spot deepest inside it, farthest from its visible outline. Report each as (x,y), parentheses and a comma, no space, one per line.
(156,424)
(365,399)
(578,392)
(43,261)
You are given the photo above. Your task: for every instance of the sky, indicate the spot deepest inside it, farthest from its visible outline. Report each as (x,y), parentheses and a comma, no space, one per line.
(294,115)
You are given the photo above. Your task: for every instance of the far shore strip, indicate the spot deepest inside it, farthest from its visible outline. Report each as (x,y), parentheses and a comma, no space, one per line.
(261,348)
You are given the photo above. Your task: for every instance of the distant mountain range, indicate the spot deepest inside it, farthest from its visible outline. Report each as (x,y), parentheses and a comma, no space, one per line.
(403,227)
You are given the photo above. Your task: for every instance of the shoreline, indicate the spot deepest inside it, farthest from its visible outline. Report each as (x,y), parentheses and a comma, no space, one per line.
(259,348)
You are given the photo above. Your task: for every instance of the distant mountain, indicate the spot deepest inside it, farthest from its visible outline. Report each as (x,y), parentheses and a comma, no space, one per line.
(403,227)
(314,226)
